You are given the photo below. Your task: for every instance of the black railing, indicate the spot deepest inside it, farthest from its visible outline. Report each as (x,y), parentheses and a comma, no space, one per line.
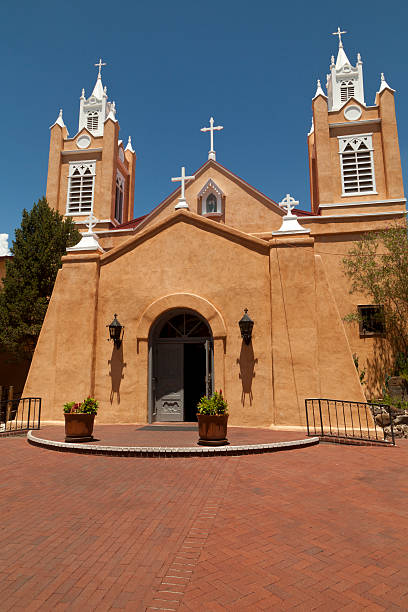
(20,414)
(353,420)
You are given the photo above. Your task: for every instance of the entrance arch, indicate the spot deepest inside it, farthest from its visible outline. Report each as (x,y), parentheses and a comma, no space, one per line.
(181,349)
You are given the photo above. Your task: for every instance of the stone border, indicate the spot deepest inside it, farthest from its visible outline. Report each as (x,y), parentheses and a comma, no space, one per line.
(168,451)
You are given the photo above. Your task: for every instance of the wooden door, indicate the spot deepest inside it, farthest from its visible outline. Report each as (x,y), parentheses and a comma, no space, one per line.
(169,392)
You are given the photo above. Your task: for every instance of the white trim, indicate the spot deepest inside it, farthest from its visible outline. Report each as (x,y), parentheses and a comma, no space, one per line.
(210,188)
(394,213)
(80,151)
(368,203)
(357,122)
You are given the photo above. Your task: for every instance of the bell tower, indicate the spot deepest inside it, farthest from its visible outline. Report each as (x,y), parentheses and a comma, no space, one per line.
(92,172)
(354,157)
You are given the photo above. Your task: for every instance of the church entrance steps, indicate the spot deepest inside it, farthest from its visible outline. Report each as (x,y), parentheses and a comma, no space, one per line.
(169,441)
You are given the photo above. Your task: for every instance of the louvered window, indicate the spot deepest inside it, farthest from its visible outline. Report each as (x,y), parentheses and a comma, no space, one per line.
(120,190)
(92,121)
(357,164)
(81,188)
(346,90)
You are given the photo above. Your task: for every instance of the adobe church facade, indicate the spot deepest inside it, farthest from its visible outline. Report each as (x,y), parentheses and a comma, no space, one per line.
(181,337)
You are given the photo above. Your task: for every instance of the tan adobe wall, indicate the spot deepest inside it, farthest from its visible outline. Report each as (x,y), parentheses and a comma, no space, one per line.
(283,285)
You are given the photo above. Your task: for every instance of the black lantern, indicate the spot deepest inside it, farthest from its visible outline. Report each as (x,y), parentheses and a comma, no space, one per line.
(245,325)
(116,332)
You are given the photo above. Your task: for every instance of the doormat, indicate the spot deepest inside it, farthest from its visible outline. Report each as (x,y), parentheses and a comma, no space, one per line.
(168,428)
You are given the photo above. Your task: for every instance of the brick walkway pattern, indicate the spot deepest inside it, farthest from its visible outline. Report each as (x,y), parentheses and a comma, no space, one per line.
(322,528)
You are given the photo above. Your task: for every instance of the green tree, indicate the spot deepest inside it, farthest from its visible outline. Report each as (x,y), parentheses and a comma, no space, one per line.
(377,266)
(37,249)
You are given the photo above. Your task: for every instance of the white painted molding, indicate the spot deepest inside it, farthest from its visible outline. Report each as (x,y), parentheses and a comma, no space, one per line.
(367,203)
(394,213)
(352,123)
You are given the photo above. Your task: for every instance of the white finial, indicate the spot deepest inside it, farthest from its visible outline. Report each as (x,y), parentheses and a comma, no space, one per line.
(100,64)
(89,240)
(105,91)
(59,120)
(359,58)
(211,152)
(339,33)
(129,145)
(290,224)
(384,84)
(112,112)
(183,178)
(83,94)
(319,90)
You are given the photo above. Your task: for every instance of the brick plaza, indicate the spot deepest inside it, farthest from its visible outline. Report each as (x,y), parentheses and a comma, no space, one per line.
(321,528)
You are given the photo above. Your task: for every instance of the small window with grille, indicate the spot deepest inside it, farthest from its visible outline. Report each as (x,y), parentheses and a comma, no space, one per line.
(371,320)
(346,90)
(120,190)
(80,188)
(357,164)
(92,121)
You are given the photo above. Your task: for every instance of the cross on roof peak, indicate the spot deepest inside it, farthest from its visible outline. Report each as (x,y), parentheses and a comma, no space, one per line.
(211,152)
(339,33)
(99,65)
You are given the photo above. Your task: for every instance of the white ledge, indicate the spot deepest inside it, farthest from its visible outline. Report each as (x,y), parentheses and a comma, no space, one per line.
(368,203)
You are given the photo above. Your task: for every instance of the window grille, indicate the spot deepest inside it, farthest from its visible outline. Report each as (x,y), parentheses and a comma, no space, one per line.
(372,321)
(357,164)
(120,189)
(81,188)
(346,90)
(92,121)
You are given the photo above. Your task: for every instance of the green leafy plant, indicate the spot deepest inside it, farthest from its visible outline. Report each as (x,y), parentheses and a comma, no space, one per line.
(214,405)
(37,249)
(88,406)
(361,373)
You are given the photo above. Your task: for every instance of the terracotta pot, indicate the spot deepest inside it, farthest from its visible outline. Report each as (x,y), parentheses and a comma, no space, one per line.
(212,429)
(79,427)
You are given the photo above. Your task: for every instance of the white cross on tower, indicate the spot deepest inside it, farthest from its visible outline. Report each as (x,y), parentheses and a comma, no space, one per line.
(100,64)
(211,152)
(183,178)
(339,33)
(288,203)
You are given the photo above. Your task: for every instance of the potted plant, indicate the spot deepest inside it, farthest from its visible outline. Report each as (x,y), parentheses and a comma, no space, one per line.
(212,416)
(79,420)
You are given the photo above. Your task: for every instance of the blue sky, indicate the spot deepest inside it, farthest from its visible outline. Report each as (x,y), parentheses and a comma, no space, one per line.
(252,65)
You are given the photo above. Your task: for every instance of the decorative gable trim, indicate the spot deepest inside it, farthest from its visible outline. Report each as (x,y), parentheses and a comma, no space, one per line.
(210,186)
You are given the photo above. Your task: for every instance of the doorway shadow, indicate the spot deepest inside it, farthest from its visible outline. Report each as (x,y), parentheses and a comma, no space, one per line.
(246,363)
(117,366)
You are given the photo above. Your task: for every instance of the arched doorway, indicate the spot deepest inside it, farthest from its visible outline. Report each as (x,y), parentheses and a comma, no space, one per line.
(182,365)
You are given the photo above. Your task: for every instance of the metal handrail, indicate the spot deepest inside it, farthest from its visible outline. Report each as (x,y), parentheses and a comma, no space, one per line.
(20,414)
(344,419)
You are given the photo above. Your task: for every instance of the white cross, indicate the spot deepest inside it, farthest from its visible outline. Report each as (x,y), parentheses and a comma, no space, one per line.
(211,152)
(339,33)
(90,222)
(100,64)
(288,203)
(183,178)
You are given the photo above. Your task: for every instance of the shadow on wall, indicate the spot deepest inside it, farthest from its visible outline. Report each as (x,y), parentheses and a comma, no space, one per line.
(246,364)
(116,372)
(378,367)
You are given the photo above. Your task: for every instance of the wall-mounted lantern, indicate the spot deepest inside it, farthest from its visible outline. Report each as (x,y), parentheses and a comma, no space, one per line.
(116,332)
(245,325)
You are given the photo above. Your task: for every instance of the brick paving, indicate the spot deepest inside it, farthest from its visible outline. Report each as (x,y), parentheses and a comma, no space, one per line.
(322,528)
(172,435)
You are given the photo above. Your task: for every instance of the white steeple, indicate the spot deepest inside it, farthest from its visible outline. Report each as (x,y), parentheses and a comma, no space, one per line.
(129,146)
(59,121)
(344,81)
(94,111)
